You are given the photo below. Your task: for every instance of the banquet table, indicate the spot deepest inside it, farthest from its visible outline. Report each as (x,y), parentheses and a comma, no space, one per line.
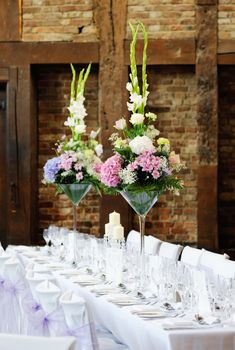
(141,334)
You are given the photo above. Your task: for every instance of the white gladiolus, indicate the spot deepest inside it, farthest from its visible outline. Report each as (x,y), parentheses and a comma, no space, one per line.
(77,109)
(99,150)
(80,128)
(130,106)
(69,122)
(137,118)
(120,124)
(140,144)
(129,87)
(136,99)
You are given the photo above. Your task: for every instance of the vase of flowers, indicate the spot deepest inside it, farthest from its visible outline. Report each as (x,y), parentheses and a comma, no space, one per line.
(73,170)
(143,165)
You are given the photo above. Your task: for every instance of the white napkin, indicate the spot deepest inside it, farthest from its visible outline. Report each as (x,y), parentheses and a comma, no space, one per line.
(48,294)
(34,279)
(74,308)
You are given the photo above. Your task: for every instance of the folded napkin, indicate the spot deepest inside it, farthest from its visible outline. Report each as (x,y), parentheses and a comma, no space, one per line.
(48,294)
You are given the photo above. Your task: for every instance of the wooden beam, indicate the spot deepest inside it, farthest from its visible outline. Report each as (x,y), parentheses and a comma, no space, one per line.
(207,111)
(21,157)
(226,51)
(165,51)
(22,53)
(10,20)
(110,17)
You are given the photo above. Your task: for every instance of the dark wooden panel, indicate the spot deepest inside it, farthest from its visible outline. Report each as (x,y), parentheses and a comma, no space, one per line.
(226,51)
(4,74)
(165,51)
(113,75)
(207,207)
(48,52)
(207,113)
(3,173)
(10,20)
(21,157)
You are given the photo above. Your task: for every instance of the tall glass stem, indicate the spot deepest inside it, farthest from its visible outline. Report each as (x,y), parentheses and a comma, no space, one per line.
(142,252)
(142,232)
(74,217)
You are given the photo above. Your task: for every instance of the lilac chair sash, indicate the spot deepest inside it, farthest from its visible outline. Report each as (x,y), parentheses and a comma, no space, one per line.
(84,337)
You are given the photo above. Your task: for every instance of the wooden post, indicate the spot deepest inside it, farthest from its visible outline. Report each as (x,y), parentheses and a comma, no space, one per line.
(110,17)
(207,111)
(21,156)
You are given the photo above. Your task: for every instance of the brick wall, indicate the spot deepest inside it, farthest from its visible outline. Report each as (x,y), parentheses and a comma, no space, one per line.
(164,19)
(226,19)
(58,20)
(53,99)
(173,98)
(226,157)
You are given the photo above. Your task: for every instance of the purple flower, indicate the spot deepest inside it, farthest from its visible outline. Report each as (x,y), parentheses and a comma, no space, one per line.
(51,169)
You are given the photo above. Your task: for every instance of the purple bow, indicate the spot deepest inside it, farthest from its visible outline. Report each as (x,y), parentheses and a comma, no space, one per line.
(85,337)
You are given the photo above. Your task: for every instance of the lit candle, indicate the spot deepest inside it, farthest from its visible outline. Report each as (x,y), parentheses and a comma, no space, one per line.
(118,232)
(114,218)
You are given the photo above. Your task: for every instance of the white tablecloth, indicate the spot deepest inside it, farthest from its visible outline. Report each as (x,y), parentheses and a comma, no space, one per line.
(141,334)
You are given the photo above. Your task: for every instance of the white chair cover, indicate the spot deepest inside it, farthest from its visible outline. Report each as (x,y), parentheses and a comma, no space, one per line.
(152,245)
(170,251)
(225,268)
(20,342)
(15,289)
(78,321)
(210,262)
(133,240)
(52,320)
(191,256)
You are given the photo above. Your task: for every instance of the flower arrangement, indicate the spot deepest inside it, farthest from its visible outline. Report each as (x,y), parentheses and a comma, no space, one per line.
(142,160)
(77,156)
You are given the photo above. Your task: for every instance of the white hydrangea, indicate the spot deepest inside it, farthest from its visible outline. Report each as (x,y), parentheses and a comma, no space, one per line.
(128,177)
(140,144)
(137,118)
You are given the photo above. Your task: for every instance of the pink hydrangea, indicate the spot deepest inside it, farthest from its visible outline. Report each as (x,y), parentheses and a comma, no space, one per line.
(109,171)
(148,162)
(67,160)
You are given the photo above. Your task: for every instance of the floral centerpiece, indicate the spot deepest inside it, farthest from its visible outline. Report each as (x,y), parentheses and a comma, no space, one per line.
(143,165)
(77,155)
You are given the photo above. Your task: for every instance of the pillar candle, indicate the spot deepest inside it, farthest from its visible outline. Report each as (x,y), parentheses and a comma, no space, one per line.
(114,218)
(118,232)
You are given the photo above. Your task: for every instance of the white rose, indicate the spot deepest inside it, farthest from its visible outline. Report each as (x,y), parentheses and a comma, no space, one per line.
(80,128)
(140,144)
(99,150)
(137,118)
(120,124)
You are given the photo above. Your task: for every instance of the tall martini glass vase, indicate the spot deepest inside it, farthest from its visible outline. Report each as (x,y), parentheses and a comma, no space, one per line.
(75,192)
(141,202)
